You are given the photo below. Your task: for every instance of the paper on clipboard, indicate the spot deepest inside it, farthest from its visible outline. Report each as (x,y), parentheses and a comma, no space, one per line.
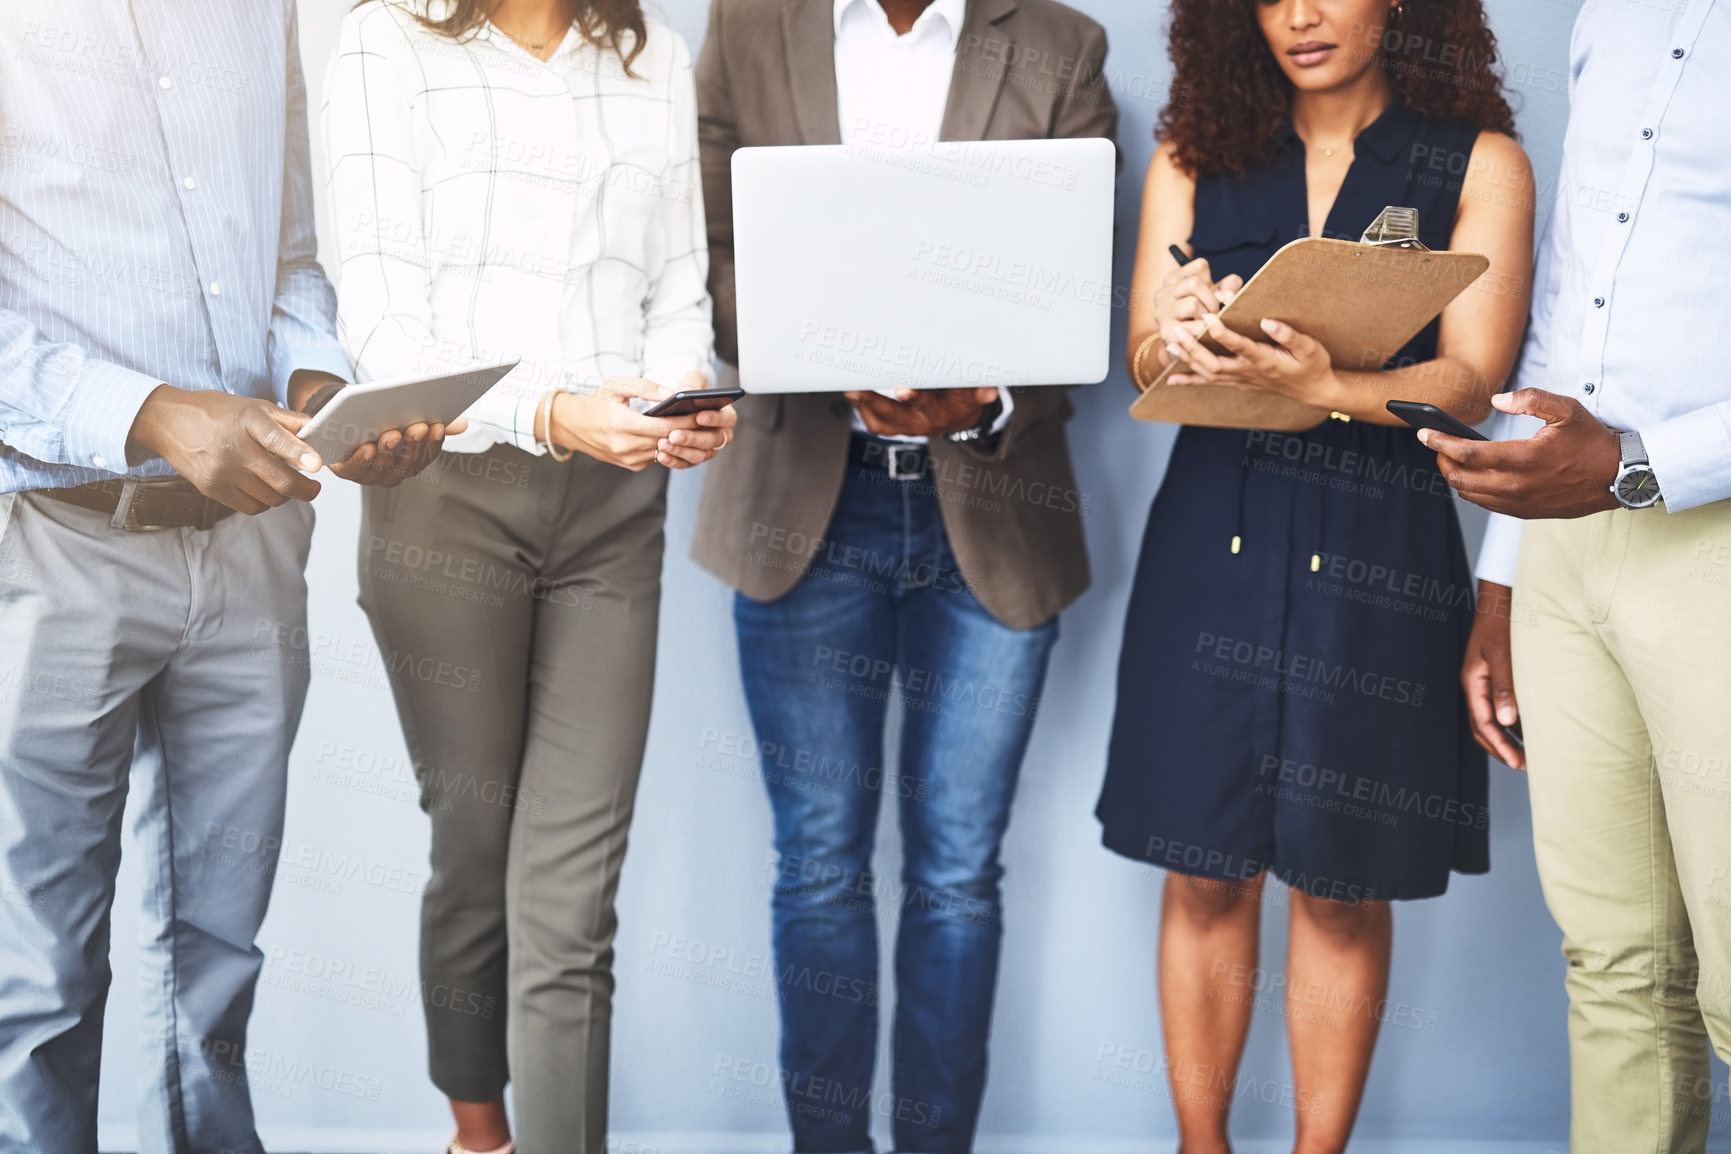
(1362,302)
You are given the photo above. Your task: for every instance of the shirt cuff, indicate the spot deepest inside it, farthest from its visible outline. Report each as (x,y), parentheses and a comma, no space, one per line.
(1501,549)
(1691,456)
(1003,422)
(320,358)
(523,424)
(99,420)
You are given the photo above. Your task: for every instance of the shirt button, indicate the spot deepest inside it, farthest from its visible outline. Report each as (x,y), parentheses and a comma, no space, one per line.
(1598,302)
(99,461)
(215,288)
(1622,218)
(189,184)
(1676,54)
(1587,388)
(164,83)
(1646,134)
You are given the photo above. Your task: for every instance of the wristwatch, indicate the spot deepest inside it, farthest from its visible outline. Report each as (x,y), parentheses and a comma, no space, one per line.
(981,429)
(1636,487)
(321,397)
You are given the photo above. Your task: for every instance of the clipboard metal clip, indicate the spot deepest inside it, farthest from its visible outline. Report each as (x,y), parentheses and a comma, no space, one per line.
(1394,227)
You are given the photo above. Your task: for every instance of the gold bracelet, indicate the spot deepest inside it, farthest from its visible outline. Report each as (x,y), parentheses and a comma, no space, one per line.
(546,406)
(1136,361)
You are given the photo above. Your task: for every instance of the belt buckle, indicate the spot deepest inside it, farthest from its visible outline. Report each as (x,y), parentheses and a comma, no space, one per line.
(896,453)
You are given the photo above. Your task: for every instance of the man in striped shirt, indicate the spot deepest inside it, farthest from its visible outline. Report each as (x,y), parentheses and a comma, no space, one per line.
(161,314)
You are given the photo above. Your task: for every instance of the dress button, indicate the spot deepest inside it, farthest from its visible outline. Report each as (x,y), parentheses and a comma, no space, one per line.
(1598,302)
(164,83)
(1622,218)
(1646,134)
(215,288)
(189,183)
(99,461)
(1587,388)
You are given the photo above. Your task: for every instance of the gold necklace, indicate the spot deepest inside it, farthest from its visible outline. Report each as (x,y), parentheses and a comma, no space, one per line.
(535,49)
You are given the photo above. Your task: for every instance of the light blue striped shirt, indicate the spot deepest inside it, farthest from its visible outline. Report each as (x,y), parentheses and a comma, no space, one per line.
(156,221)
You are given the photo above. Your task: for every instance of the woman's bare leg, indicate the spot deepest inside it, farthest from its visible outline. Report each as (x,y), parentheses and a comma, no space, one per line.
(1336,979)
(481,1126)
(1208,932)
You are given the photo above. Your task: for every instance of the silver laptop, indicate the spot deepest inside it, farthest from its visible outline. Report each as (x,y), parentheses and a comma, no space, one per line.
(866,267)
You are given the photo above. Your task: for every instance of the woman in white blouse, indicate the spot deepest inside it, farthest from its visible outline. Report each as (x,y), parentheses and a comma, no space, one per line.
(518,179)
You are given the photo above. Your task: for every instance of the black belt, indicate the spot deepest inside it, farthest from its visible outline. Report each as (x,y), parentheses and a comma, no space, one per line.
(902,460)
(140,503)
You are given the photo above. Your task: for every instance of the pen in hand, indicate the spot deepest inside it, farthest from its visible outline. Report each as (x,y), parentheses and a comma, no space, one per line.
(1178,255)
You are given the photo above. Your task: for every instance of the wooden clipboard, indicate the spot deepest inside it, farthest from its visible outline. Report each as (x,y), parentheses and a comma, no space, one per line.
(1363,302)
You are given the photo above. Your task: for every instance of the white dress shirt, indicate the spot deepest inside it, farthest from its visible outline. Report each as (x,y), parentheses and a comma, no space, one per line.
(1630,292)
(891,91)
(491,206)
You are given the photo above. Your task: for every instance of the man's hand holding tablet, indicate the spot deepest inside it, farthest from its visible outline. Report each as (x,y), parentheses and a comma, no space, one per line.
(396,455)
(246,453)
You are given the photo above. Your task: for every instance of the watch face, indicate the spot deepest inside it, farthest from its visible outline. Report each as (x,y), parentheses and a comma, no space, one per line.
(1638,488)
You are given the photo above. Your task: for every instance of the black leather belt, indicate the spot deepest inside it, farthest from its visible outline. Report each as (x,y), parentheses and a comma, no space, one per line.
(138,504)
(902,460)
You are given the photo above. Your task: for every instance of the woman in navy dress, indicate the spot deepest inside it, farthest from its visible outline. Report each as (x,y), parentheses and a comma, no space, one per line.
(1289,700)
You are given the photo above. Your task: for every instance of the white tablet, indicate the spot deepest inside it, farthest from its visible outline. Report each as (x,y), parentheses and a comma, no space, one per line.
(361,413)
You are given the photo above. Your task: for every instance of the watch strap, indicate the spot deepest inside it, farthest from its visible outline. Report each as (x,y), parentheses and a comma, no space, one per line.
(982,429)
(1633,450)
(321,397)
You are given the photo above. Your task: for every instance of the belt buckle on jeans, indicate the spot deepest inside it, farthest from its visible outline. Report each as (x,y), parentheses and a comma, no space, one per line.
(896,453)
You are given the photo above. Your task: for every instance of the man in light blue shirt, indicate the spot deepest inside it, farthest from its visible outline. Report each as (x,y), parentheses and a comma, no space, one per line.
(161,312)
(1613,528)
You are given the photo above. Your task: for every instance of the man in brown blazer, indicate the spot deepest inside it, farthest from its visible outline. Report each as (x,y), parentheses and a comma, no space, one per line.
(913,551)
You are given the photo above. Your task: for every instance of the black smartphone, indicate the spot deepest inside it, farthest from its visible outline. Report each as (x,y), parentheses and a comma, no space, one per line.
(1513,733)
(1425,416)
(689,401)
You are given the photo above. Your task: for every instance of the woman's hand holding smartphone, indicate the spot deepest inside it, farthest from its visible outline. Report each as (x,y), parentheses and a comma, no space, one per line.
(603,425)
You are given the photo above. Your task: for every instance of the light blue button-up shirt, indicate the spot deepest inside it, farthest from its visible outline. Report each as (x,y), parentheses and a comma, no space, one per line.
(1631,296)
(156,222)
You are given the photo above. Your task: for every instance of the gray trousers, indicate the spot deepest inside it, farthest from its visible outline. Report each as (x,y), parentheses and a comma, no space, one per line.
(176,658)
(515,601)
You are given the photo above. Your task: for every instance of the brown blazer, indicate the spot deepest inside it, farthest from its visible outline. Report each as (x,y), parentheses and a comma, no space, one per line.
(1025,69)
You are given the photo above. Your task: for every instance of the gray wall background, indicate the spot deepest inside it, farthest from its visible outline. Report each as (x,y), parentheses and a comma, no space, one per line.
(1474,1050)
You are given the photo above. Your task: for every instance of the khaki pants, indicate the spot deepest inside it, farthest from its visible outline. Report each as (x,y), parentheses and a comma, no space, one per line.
(1622,658)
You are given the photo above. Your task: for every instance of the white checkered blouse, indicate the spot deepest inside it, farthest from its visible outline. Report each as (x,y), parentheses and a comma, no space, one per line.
(489,206)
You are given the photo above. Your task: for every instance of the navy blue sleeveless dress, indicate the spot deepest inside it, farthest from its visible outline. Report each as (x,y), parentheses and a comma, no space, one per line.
(1295,706)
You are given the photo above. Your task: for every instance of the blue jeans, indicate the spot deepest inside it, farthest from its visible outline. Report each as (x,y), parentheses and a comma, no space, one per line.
(884,615)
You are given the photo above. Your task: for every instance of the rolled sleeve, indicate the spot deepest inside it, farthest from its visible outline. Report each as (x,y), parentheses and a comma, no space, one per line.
(1691,456)
(101,412)
(314,357)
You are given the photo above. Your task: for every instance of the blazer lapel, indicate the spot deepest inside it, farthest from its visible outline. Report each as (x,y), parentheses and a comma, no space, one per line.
(808,35)
(979,73)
